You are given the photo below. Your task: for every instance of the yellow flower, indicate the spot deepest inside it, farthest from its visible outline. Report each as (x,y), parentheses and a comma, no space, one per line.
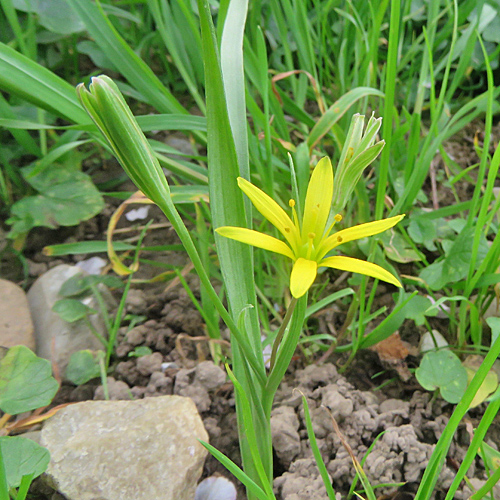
(308,244)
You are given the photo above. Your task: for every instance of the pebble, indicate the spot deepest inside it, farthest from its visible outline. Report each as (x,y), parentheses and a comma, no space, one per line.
(136,301)
(115,450)
(117,390)
(146,365)
(56,339)
(16,327)
(209,375)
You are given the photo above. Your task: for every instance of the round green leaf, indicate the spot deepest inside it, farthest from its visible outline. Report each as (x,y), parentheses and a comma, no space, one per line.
(142,350)
(22,457)
(81,284)
(26,381)
(442,370)
(66,197)
(82,367)
(72,310)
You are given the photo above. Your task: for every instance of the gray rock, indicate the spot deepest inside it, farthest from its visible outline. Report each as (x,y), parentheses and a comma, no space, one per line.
(340,406)
(16,327)
(209,375)
(285,435)
(198,394)
(36,268)
(116,450)
(33,435)
(136,335)
(150,363)
(159,383)
(136,302)
(56,339)
(117,390)
(303,481)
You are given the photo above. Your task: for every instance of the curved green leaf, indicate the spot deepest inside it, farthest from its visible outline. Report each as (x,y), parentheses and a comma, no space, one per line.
(26,381)
(22,457)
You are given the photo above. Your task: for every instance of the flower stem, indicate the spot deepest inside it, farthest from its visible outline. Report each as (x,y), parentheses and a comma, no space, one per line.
(281,332)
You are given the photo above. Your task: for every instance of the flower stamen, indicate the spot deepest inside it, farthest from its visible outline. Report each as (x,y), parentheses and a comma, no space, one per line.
(291,204)
(336,219)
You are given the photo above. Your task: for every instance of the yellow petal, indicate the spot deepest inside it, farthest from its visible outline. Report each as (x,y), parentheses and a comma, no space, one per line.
(303,275)
(318,200)
(361,267)
(271,211)
(356,233)
(256,239)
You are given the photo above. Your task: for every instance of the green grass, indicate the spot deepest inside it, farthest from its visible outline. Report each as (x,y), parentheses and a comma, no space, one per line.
(268,114)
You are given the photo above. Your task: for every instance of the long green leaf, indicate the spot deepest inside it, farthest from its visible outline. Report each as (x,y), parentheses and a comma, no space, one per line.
(34,83)
(315,449)
(285,352)
(226,199)
(236,260)
(133,68)
(166,26)
(247,417)
(233,77)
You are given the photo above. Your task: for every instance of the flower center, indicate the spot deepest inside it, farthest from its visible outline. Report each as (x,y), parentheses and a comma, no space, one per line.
(310,245)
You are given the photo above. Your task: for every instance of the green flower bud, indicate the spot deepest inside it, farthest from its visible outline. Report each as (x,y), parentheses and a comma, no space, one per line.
(359,151)
(109,111)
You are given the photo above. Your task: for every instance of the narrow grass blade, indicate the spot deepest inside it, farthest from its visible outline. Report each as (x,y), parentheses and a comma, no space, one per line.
(357,466)
(52,157)
(250,433)
(135,70)
(363,460)
(172,122)
(166,26)
(488,486)
(317,454)
(26,481)
(390,89)
(19,133)
(336,111)
(317,306)
(28,80)
(479,435)
(4,487)
(236,471)
(285,352)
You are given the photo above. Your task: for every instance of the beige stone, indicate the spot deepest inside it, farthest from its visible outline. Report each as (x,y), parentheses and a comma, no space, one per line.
(56,339)
(16,327)
(117,450)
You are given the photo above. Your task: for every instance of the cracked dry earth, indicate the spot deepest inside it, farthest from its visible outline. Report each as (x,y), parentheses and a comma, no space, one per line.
(410,428)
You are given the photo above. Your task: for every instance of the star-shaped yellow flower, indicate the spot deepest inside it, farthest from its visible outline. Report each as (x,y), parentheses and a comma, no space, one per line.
(307,244)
